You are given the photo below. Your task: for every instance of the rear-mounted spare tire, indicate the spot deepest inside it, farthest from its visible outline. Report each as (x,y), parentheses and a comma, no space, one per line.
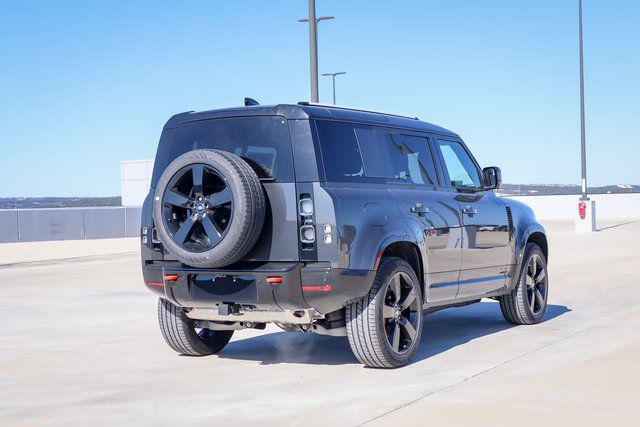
(208,208)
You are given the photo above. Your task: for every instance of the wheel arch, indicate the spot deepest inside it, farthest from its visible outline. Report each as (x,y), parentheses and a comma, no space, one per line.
(408,251)
(540,239)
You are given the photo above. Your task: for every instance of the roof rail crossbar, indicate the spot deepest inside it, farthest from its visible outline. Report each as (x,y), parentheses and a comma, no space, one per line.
(340,107)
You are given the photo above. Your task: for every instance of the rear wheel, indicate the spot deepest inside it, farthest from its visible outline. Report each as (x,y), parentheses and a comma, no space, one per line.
(179,332)
(385,326)
(527,302)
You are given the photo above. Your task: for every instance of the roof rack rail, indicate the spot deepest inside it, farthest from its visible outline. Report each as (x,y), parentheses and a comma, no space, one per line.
(340,107)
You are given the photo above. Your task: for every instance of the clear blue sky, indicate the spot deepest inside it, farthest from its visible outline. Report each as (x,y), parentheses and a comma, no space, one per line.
(85,84)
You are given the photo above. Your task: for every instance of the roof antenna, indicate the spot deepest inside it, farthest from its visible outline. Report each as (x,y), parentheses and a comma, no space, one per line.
(250,101)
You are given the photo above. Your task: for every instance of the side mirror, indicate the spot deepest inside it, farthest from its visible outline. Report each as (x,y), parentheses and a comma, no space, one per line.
(492,177)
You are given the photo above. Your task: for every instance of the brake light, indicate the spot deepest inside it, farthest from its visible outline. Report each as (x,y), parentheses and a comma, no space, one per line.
(171,277)
(324,288)
(274,279)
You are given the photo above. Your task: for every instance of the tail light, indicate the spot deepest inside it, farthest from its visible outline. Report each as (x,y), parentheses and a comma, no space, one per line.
(307,226)
(308,234)
(305,207)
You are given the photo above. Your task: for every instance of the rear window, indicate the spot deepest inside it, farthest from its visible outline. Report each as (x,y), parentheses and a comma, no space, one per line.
(261,140)
(350,152)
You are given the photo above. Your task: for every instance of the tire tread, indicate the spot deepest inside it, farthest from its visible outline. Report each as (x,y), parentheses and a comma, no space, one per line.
(367,342)
(178,331)
(512,304)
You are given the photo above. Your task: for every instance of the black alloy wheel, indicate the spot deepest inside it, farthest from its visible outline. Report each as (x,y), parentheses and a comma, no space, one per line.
(384,326)
(536,282)
(401,313)
(526,303)
(197,206)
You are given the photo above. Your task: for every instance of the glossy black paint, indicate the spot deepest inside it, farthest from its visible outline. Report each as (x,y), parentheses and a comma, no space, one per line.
(461,241)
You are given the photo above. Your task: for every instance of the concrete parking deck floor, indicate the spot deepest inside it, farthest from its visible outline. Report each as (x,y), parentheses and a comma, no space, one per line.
(79,344)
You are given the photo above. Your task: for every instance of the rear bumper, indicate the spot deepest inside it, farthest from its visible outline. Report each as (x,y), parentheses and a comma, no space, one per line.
(303,286)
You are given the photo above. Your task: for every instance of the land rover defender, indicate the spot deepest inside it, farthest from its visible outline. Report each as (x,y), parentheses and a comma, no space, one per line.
(329,220)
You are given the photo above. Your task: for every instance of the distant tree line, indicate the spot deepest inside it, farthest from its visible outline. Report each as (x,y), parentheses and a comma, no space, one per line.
(58,202)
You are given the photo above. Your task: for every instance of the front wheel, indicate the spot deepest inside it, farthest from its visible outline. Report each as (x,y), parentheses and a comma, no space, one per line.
(179,332)
(527,302)
(384,327)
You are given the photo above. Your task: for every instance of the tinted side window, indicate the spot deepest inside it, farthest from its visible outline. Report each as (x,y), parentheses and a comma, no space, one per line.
(374,164)
(461,169)
(410,158)
(350,152)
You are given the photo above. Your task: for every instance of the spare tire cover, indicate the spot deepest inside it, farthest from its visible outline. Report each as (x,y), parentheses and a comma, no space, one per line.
(208,208)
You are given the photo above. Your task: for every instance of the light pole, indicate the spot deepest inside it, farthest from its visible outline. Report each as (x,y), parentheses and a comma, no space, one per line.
(333,78)
(586,219)
(313,46)
(583,146)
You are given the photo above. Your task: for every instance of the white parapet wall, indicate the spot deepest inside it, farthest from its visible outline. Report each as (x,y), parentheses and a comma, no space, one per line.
(608,206)
(135,179)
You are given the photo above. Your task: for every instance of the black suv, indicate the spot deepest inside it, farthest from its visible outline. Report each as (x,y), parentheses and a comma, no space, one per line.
(329,220)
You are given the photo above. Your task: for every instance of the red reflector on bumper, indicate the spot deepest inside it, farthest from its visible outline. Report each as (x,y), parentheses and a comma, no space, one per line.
(150,283)
(171,277)
(274,279)
(316,288)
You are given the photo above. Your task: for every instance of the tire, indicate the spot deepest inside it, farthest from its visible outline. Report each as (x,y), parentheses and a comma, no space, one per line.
(368,326)
(244,207)
(516,306)
(178,331)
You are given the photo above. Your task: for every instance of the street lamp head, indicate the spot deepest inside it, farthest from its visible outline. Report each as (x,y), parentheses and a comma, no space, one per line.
(322,18)
(333,74)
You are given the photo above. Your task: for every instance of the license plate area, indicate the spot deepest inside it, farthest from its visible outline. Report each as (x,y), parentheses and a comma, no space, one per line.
(224,288)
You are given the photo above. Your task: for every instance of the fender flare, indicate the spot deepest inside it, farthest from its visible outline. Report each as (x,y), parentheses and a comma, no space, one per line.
(521,237)
(521,242)
(394,238)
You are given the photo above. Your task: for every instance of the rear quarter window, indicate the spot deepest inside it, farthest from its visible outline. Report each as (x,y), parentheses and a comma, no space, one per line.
(350,152)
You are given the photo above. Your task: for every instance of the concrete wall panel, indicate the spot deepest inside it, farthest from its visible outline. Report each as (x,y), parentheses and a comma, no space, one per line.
(8,226)
(103,223)
(134,192)
(31,225)
(135,180)
(50,224)
(134,170)
(132,220)
(608,206)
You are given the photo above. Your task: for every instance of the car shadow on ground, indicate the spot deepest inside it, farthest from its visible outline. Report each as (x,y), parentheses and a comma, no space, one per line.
(443,330)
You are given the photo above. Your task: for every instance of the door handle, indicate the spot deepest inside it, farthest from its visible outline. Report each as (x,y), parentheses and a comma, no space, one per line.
(419,209)
(469,211)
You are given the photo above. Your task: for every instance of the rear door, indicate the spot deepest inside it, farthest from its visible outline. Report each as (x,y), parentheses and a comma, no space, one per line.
(484,220)
(416,182)
(264,142)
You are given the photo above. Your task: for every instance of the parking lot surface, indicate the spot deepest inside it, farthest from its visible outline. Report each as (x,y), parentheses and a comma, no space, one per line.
(79,344)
